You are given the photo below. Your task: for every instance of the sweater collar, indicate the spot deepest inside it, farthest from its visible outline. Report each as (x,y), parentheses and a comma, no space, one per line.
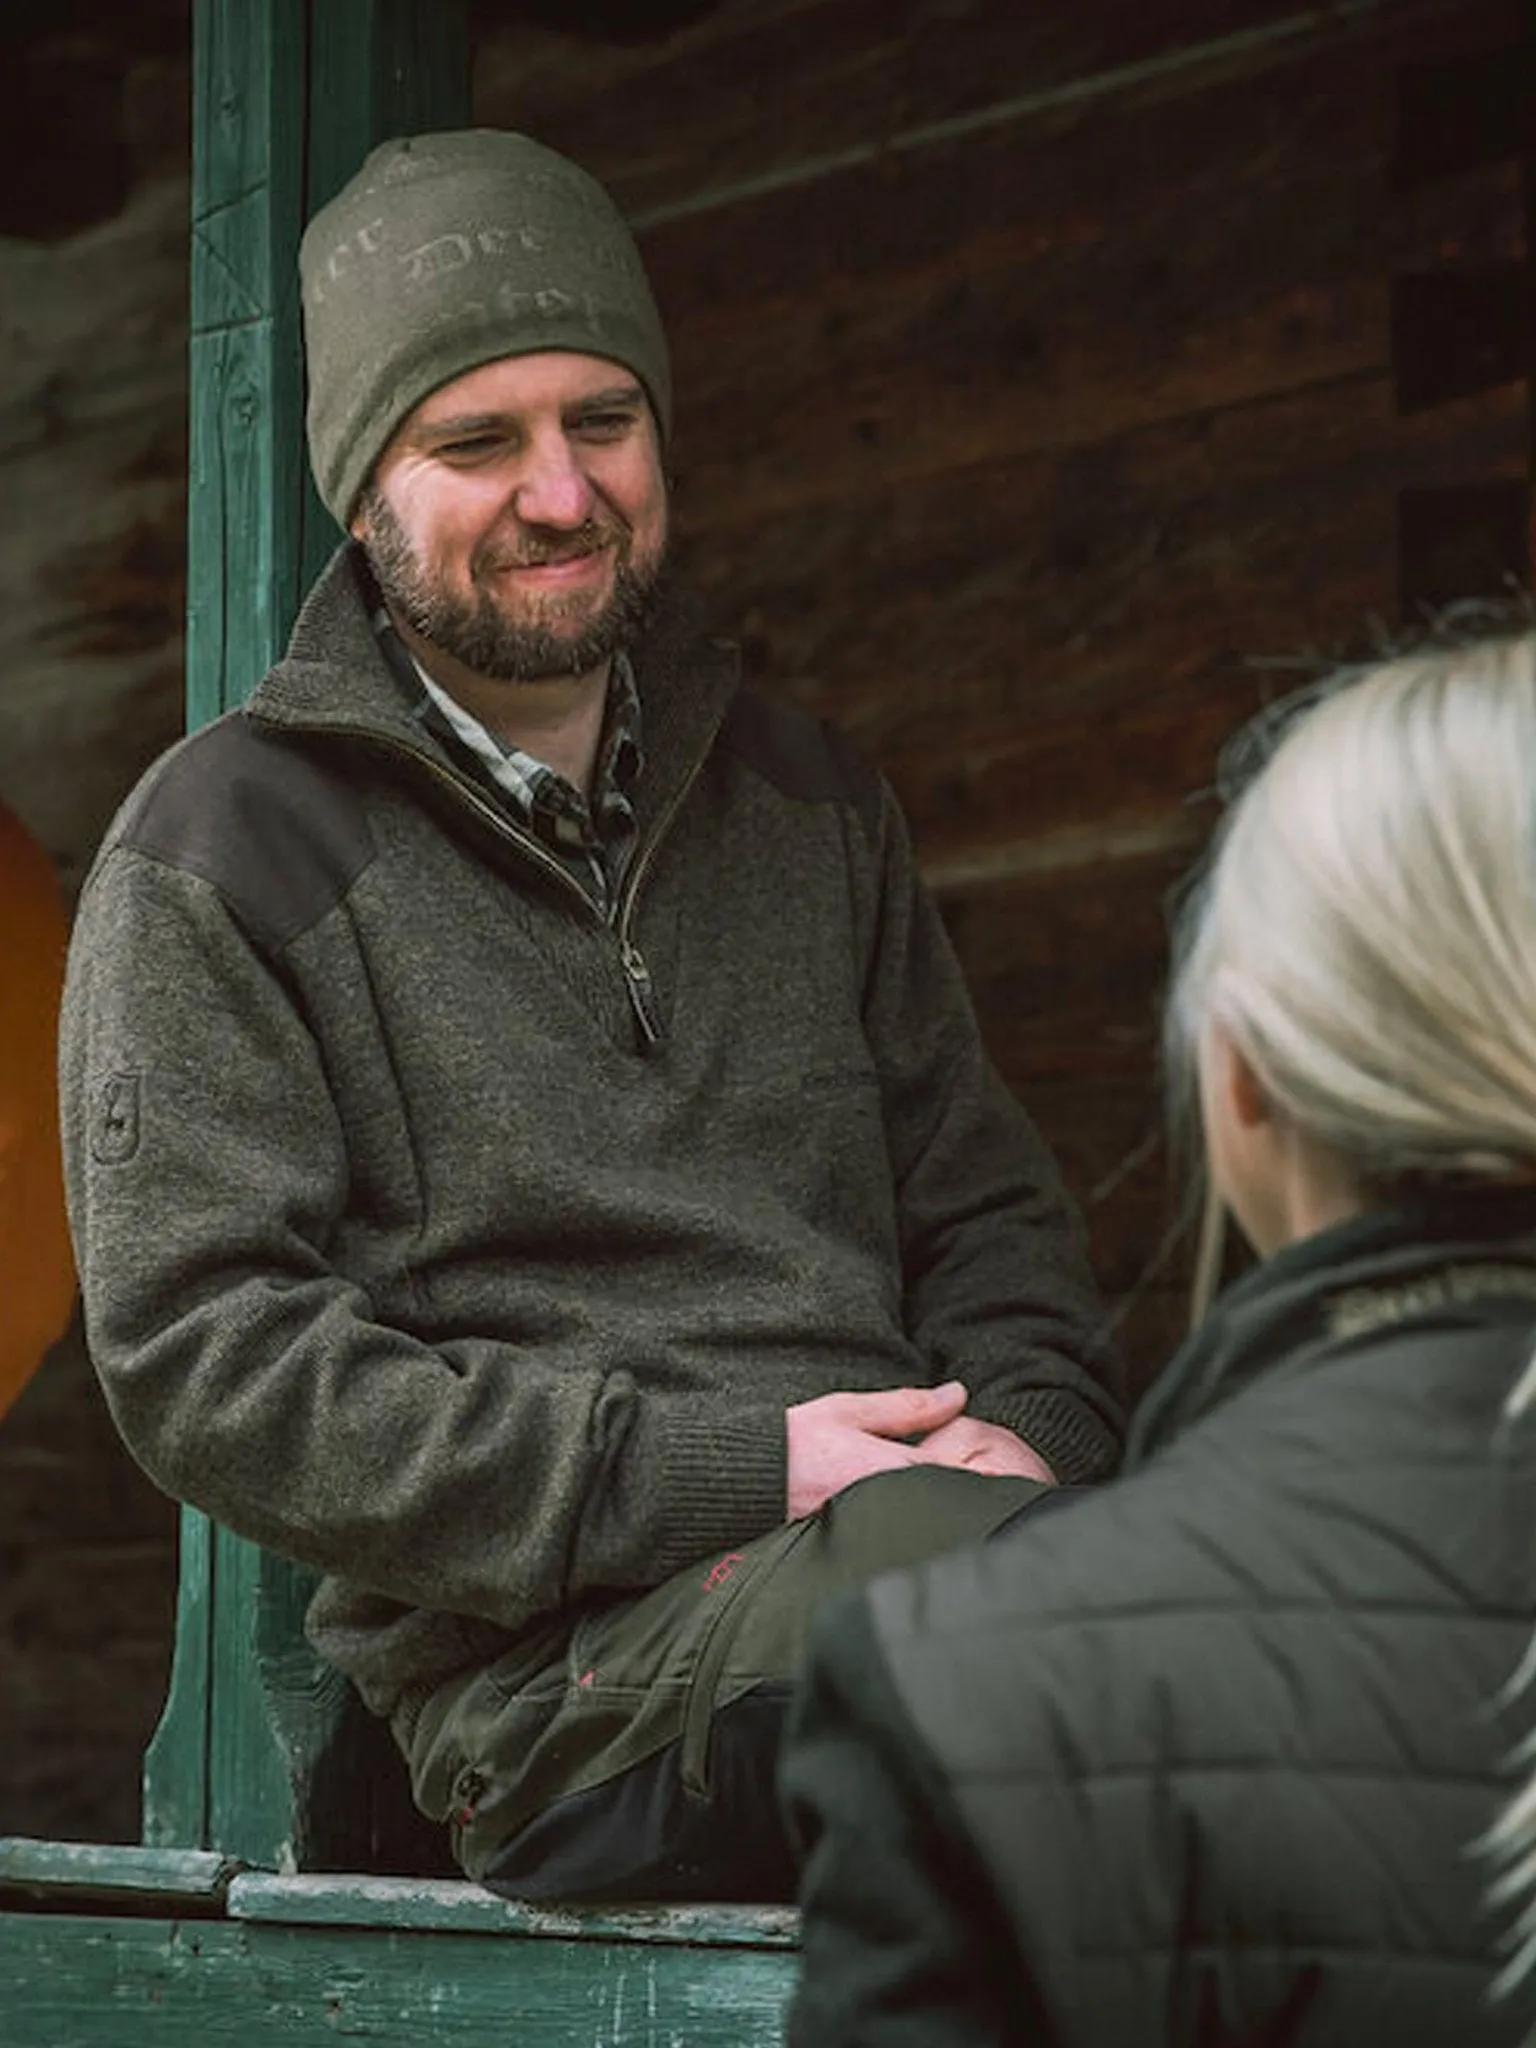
(335,679)
(1374,1272)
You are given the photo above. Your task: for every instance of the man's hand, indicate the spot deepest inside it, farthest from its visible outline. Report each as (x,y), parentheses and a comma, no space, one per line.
(982,1447)
(839,1438)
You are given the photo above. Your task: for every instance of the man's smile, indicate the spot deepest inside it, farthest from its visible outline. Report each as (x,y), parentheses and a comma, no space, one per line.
(563,572)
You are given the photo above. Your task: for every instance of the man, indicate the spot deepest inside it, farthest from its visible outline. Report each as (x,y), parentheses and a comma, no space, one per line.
(530,1150)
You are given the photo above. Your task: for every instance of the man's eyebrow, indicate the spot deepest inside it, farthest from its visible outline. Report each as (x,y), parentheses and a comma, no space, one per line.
(601,401)
(460,424)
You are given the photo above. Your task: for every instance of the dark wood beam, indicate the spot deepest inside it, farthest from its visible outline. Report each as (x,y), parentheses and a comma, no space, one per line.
(1454,115)
(1467,328)
(1458,331)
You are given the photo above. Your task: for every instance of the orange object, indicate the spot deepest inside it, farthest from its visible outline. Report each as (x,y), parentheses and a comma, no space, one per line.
(37,1271)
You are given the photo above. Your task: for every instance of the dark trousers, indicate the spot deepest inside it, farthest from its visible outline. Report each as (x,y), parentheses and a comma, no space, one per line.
(630,1751)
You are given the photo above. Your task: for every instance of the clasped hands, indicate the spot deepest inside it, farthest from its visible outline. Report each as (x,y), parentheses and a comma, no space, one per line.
(839,1438)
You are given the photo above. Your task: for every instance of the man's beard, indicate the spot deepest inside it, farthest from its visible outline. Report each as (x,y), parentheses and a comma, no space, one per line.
(477,632)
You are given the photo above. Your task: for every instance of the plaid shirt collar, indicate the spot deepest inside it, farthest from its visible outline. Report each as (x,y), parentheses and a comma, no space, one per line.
(596,836)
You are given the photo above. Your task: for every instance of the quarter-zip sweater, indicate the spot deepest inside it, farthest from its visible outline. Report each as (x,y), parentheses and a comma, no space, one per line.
(440,1232)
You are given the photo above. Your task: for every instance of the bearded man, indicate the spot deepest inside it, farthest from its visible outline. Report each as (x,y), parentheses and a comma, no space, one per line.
(529,1147)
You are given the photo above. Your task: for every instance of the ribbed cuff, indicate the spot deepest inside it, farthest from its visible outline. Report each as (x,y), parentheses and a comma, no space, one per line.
(723,1471)
(1074,1440)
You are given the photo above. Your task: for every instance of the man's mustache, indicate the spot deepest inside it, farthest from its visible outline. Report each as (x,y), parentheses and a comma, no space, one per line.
(537,550)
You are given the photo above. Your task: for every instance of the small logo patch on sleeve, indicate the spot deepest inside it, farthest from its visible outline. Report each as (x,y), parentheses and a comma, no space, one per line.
(115,1119)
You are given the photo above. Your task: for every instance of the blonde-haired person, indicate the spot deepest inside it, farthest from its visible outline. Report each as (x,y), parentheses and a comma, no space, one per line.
(1214,1754)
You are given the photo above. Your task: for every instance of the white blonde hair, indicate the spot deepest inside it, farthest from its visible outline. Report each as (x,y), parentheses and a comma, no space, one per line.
(1365,933)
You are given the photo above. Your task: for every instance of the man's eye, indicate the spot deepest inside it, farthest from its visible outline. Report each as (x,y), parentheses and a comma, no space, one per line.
(604,426)
(474,448)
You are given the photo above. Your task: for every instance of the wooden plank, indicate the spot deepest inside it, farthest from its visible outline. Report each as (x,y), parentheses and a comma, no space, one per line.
(257,1745)
(176,1781)
(228,1788)
(380,68)
(125,1874)
(286,99)
(377,68)
(425,1905)
(674,119)
(76,1982)
(1463,540)
(1067,971)
(245,457)
(1109,1133)
(1011,301)
(1174,300)
(1454,114)
(1038,645)
(1456,331)
(262,1749)
(289,98)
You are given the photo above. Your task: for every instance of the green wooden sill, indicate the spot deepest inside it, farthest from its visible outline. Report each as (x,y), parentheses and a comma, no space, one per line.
(198,1883)
(440,1906)
(105,1947)
(82,1876)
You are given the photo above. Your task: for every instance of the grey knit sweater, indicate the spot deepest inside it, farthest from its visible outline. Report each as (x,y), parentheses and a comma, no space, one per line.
(444,1235)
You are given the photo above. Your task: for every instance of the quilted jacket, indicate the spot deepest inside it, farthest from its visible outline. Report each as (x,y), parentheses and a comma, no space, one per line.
(1204,1756)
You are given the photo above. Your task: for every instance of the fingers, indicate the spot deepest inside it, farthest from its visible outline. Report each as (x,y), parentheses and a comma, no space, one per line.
(903,1411)
(984,1447)
(826,1454)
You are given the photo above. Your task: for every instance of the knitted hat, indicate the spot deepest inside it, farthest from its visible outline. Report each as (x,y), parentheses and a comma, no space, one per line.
(448,251)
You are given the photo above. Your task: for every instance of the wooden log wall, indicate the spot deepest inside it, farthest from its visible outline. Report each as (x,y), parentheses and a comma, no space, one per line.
(1035,379)
(1035,397)
(93,405)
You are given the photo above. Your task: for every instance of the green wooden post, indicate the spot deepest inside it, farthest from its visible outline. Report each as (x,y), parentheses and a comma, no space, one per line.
(288,97)
(377,68)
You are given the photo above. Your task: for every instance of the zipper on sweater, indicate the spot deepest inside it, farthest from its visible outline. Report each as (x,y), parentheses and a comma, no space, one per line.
(642,992)
(637,974)
(472,800)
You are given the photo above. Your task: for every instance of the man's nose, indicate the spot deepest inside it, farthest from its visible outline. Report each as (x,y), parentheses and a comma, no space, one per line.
(552,489)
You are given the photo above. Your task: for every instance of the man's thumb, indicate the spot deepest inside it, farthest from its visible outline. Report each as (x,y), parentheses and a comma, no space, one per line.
(911,1411)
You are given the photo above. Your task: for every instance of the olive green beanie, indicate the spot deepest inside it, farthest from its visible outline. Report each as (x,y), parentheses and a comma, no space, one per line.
(448,251)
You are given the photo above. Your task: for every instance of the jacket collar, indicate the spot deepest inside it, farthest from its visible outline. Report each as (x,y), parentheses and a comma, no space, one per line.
(335,679)
(1373,1273)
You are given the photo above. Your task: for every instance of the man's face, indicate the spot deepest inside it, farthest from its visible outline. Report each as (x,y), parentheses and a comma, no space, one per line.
(518,519)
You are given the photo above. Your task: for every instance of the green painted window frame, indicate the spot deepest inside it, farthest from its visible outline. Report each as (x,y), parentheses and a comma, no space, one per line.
(288,96)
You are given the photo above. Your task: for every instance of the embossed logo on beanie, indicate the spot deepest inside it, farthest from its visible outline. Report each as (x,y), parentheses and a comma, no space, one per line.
(448,251)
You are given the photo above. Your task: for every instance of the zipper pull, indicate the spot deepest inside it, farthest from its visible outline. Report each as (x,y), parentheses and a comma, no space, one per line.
(642,994)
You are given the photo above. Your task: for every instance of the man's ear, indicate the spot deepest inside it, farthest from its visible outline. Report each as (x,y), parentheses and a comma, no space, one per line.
(360,526)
